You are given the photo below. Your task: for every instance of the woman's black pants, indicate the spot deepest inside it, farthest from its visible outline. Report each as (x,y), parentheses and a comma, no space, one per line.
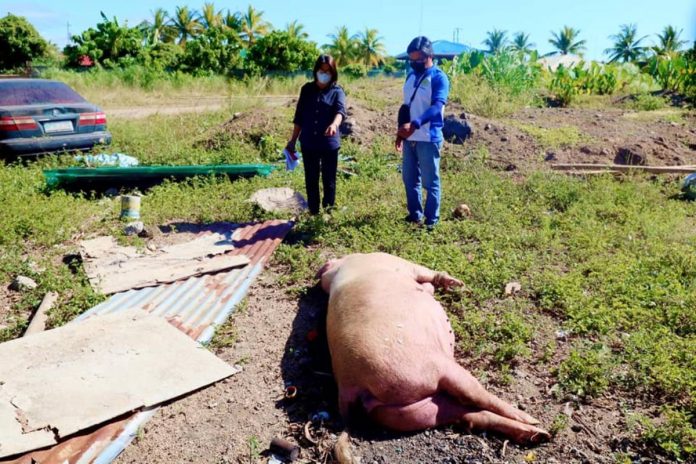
(326,163)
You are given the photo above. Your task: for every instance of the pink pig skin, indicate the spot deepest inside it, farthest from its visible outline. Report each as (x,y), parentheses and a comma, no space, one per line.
(392,351)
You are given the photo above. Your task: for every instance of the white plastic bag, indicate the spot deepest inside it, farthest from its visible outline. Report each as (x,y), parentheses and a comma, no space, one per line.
(292,160)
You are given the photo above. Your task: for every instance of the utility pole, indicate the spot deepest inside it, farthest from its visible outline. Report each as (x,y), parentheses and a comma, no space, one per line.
(455,34)
(69,36)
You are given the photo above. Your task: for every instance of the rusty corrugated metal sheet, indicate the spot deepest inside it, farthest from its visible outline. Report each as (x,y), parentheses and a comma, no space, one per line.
(195,305)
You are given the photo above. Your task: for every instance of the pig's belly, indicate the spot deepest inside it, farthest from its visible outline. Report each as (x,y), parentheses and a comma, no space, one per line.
(389,340)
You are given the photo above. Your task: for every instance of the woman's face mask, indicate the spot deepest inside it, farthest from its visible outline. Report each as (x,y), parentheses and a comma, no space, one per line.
(323,77)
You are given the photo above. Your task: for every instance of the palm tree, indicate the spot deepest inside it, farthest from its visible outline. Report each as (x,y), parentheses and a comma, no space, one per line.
(669,42)
(342,46)
(253,26)
(370,48)
(626,46)
(209,17)
(158,30)
(521,43)
(565,41)
(496,40)
(232,21)
(296,30)
(186,24)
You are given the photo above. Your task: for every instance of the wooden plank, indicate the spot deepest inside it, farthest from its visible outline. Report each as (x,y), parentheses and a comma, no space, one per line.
(624,168)
(38,322)
(58,382)
(112,268)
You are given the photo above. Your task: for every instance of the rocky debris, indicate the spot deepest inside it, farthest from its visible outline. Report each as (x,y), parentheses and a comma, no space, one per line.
(349,126)
(456,129)
(512,287)
(22,283)
(632,155)
(134,228)
(462,211)
(279,199)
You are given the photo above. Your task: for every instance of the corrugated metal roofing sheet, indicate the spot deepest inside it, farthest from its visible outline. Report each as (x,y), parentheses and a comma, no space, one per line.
(195,305)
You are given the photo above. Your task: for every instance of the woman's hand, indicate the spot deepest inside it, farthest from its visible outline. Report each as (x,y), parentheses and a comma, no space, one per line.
(331,130)
(291,146)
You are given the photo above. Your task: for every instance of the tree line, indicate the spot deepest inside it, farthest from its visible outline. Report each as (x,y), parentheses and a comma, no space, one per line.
(626,47)
(218,41)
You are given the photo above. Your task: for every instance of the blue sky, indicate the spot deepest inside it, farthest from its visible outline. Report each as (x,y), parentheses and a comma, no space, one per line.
(397,21)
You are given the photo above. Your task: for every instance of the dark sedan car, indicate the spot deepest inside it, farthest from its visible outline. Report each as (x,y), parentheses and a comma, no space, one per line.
(39,116)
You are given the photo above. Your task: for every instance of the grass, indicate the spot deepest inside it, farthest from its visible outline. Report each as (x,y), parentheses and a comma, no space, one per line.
(555,137)
(610,262)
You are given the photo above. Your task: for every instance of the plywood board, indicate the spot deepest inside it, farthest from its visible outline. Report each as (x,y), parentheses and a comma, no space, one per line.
(59,382)
(112,268)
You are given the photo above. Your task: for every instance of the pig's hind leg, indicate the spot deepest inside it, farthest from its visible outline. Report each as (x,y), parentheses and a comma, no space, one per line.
(463,386)
(441,409)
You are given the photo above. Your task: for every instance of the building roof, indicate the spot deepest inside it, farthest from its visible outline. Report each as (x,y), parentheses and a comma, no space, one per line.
(443,49)
(553,61)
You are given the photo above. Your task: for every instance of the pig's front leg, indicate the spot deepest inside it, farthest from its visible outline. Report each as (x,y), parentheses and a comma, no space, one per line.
(437,279)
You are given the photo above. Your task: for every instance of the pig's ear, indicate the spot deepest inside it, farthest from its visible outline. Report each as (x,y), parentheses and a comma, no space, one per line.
(324,268)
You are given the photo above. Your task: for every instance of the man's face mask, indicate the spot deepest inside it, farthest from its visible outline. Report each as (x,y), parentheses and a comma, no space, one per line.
(418,66)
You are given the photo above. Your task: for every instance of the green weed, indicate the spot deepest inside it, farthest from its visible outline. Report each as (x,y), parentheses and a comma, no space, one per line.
(558,137)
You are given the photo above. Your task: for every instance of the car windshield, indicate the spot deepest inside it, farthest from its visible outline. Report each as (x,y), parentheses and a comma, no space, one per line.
(13,93)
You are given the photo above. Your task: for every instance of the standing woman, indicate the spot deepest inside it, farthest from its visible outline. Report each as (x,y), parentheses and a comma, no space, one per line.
(320,110)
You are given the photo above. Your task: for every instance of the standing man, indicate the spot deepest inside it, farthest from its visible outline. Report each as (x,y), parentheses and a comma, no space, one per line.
(420,133)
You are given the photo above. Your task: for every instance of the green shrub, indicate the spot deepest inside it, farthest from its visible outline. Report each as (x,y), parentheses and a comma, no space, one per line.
(584,373)
(647,102)
(674,433)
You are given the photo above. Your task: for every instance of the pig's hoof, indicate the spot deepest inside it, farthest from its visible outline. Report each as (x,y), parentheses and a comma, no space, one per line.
(541,436)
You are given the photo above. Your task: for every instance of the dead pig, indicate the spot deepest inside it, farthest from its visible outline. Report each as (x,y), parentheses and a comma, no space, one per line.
(392,351)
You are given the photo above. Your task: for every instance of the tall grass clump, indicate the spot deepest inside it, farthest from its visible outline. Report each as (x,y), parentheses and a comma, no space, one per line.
(493,85)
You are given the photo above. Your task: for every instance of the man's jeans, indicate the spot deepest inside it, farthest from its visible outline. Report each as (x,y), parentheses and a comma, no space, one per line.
(421,160)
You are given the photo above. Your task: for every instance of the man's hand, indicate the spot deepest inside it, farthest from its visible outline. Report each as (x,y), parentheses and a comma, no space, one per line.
(406,130)
(331,130)
(399,144)
(291,146)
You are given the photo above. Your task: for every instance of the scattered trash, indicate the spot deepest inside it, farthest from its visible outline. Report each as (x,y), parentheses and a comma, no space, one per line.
(279,199)
(112,268)
(290,392)
(106,159)
(689,187)
(38,322)
(285,449)
(274,460)
(292,159)
(108,365)
(562,334)
(22,283)
(512,287)
(211,298)
(321,416)
(342,450)
(130,207)
(462,211)
(134,228)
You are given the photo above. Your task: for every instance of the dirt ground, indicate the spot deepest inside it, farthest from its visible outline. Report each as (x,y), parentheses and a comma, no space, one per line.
(234,420)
